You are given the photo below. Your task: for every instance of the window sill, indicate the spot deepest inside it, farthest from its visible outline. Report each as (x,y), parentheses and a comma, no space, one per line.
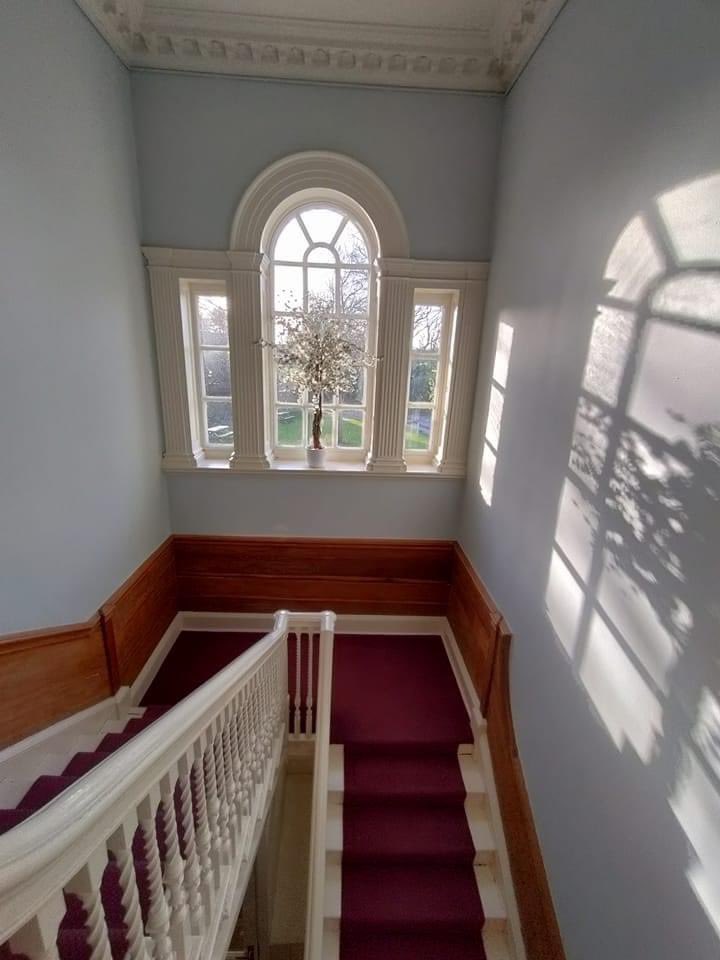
(299,468)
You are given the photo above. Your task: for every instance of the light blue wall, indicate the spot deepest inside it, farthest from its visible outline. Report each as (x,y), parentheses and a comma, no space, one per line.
(315,506)
(202,140)
(610,182)
(82,500)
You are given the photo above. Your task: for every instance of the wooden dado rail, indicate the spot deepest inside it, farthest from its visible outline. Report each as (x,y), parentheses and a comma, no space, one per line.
(46,675)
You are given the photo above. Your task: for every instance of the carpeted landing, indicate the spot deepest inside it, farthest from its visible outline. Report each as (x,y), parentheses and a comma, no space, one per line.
(408,884)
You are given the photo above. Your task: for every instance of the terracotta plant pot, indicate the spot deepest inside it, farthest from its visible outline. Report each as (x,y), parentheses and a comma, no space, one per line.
(315,458)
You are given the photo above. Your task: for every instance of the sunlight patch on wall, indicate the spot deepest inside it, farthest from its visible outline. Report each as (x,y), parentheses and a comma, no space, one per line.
(635,262)
(625,704)
(628,608)
(609,343)
(564,598)
(493,423)
(693,296)
(689,213)
(676,388)
(576,527)
(696,804)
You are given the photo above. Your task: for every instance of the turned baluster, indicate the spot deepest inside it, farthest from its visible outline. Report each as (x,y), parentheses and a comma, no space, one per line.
(309,729)
(208,855)
(223,815)
(244,746)
(158,925)
(37,940)
(298,670)
(174,868)
(198,893)
(85,885)
(213,801)
(120,845)
(229,777)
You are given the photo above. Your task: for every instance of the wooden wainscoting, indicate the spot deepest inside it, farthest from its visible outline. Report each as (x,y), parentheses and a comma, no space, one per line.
(537,912)
(348,576)
(474,619)
(46,675)
(138,614)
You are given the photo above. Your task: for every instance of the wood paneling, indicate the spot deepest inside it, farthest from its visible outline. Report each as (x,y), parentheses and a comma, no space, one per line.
(537,912)
(348,576)
(474,620)
(46,675)
(136,616)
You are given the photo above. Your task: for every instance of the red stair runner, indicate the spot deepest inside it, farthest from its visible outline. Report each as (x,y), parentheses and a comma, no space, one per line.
(408,884)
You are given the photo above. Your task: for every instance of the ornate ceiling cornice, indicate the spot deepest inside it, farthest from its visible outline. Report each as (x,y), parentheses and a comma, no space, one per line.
(485,59)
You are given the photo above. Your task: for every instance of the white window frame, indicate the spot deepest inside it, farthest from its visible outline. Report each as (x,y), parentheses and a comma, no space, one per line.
(447,300)
(334,453)
(195,289)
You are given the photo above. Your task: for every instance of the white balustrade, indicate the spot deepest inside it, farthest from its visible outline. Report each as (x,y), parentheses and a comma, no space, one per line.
(318,828)
(174,814)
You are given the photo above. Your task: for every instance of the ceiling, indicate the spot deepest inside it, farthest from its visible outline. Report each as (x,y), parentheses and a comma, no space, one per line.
(474,45)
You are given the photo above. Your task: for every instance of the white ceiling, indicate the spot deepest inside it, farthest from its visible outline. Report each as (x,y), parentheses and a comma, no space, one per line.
(477,45)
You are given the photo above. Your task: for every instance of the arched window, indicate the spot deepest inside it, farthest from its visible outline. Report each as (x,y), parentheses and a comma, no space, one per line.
(322,256)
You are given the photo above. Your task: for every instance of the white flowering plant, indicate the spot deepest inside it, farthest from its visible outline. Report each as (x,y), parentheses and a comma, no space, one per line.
(320,354)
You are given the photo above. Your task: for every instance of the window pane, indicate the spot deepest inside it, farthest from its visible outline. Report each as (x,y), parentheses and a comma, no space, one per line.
(212,321)
(417,429)
(321,287)
(219,421)
(355,391)
(288,288)
(290,427)
(216,372)
(351,246)
(291,243)
(322,224)
(322,255)
(354,291)
(326,427)
(350,428)
(427,328)
(423,375)
(287,392)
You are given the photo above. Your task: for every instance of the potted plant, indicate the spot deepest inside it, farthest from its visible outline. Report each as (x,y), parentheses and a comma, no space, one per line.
(319,354)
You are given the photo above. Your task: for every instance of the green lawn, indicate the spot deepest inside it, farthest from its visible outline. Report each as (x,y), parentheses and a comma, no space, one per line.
(290,429)
(416,441)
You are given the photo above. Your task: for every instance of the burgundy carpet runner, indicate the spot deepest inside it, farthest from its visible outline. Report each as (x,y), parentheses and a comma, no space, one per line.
(408,885)
(194,658)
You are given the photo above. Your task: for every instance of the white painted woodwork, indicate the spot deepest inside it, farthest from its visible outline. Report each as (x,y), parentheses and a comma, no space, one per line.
(222,745)
(314,925)
(452,456)
(457,45)
(174,368)
(394,336)
(245,326)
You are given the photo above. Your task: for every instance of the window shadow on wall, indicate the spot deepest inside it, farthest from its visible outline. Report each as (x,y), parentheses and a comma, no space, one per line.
(633,589)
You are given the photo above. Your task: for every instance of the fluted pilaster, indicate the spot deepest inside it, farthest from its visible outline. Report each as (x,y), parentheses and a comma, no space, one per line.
(181,446)
(453,454)
(394,334)
(245,311)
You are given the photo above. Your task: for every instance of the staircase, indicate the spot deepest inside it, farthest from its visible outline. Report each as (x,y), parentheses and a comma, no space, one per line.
(410,851)
(135,841)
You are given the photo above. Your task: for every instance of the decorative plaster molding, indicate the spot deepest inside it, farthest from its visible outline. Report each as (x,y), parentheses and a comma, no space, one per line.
(450,271)
(484,58)
(323,172)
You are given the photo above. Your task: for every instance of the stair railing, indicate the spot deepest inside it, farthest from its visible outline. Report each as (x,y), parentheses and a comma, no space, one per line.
(318,829)
(200,778)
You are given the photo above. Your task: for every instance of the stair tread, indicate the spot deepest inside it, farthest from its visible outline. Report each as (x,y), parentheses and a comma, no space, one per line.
(397,776)
(410,946)
(80,763)
(43,790)
(378,896)
(377,831)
